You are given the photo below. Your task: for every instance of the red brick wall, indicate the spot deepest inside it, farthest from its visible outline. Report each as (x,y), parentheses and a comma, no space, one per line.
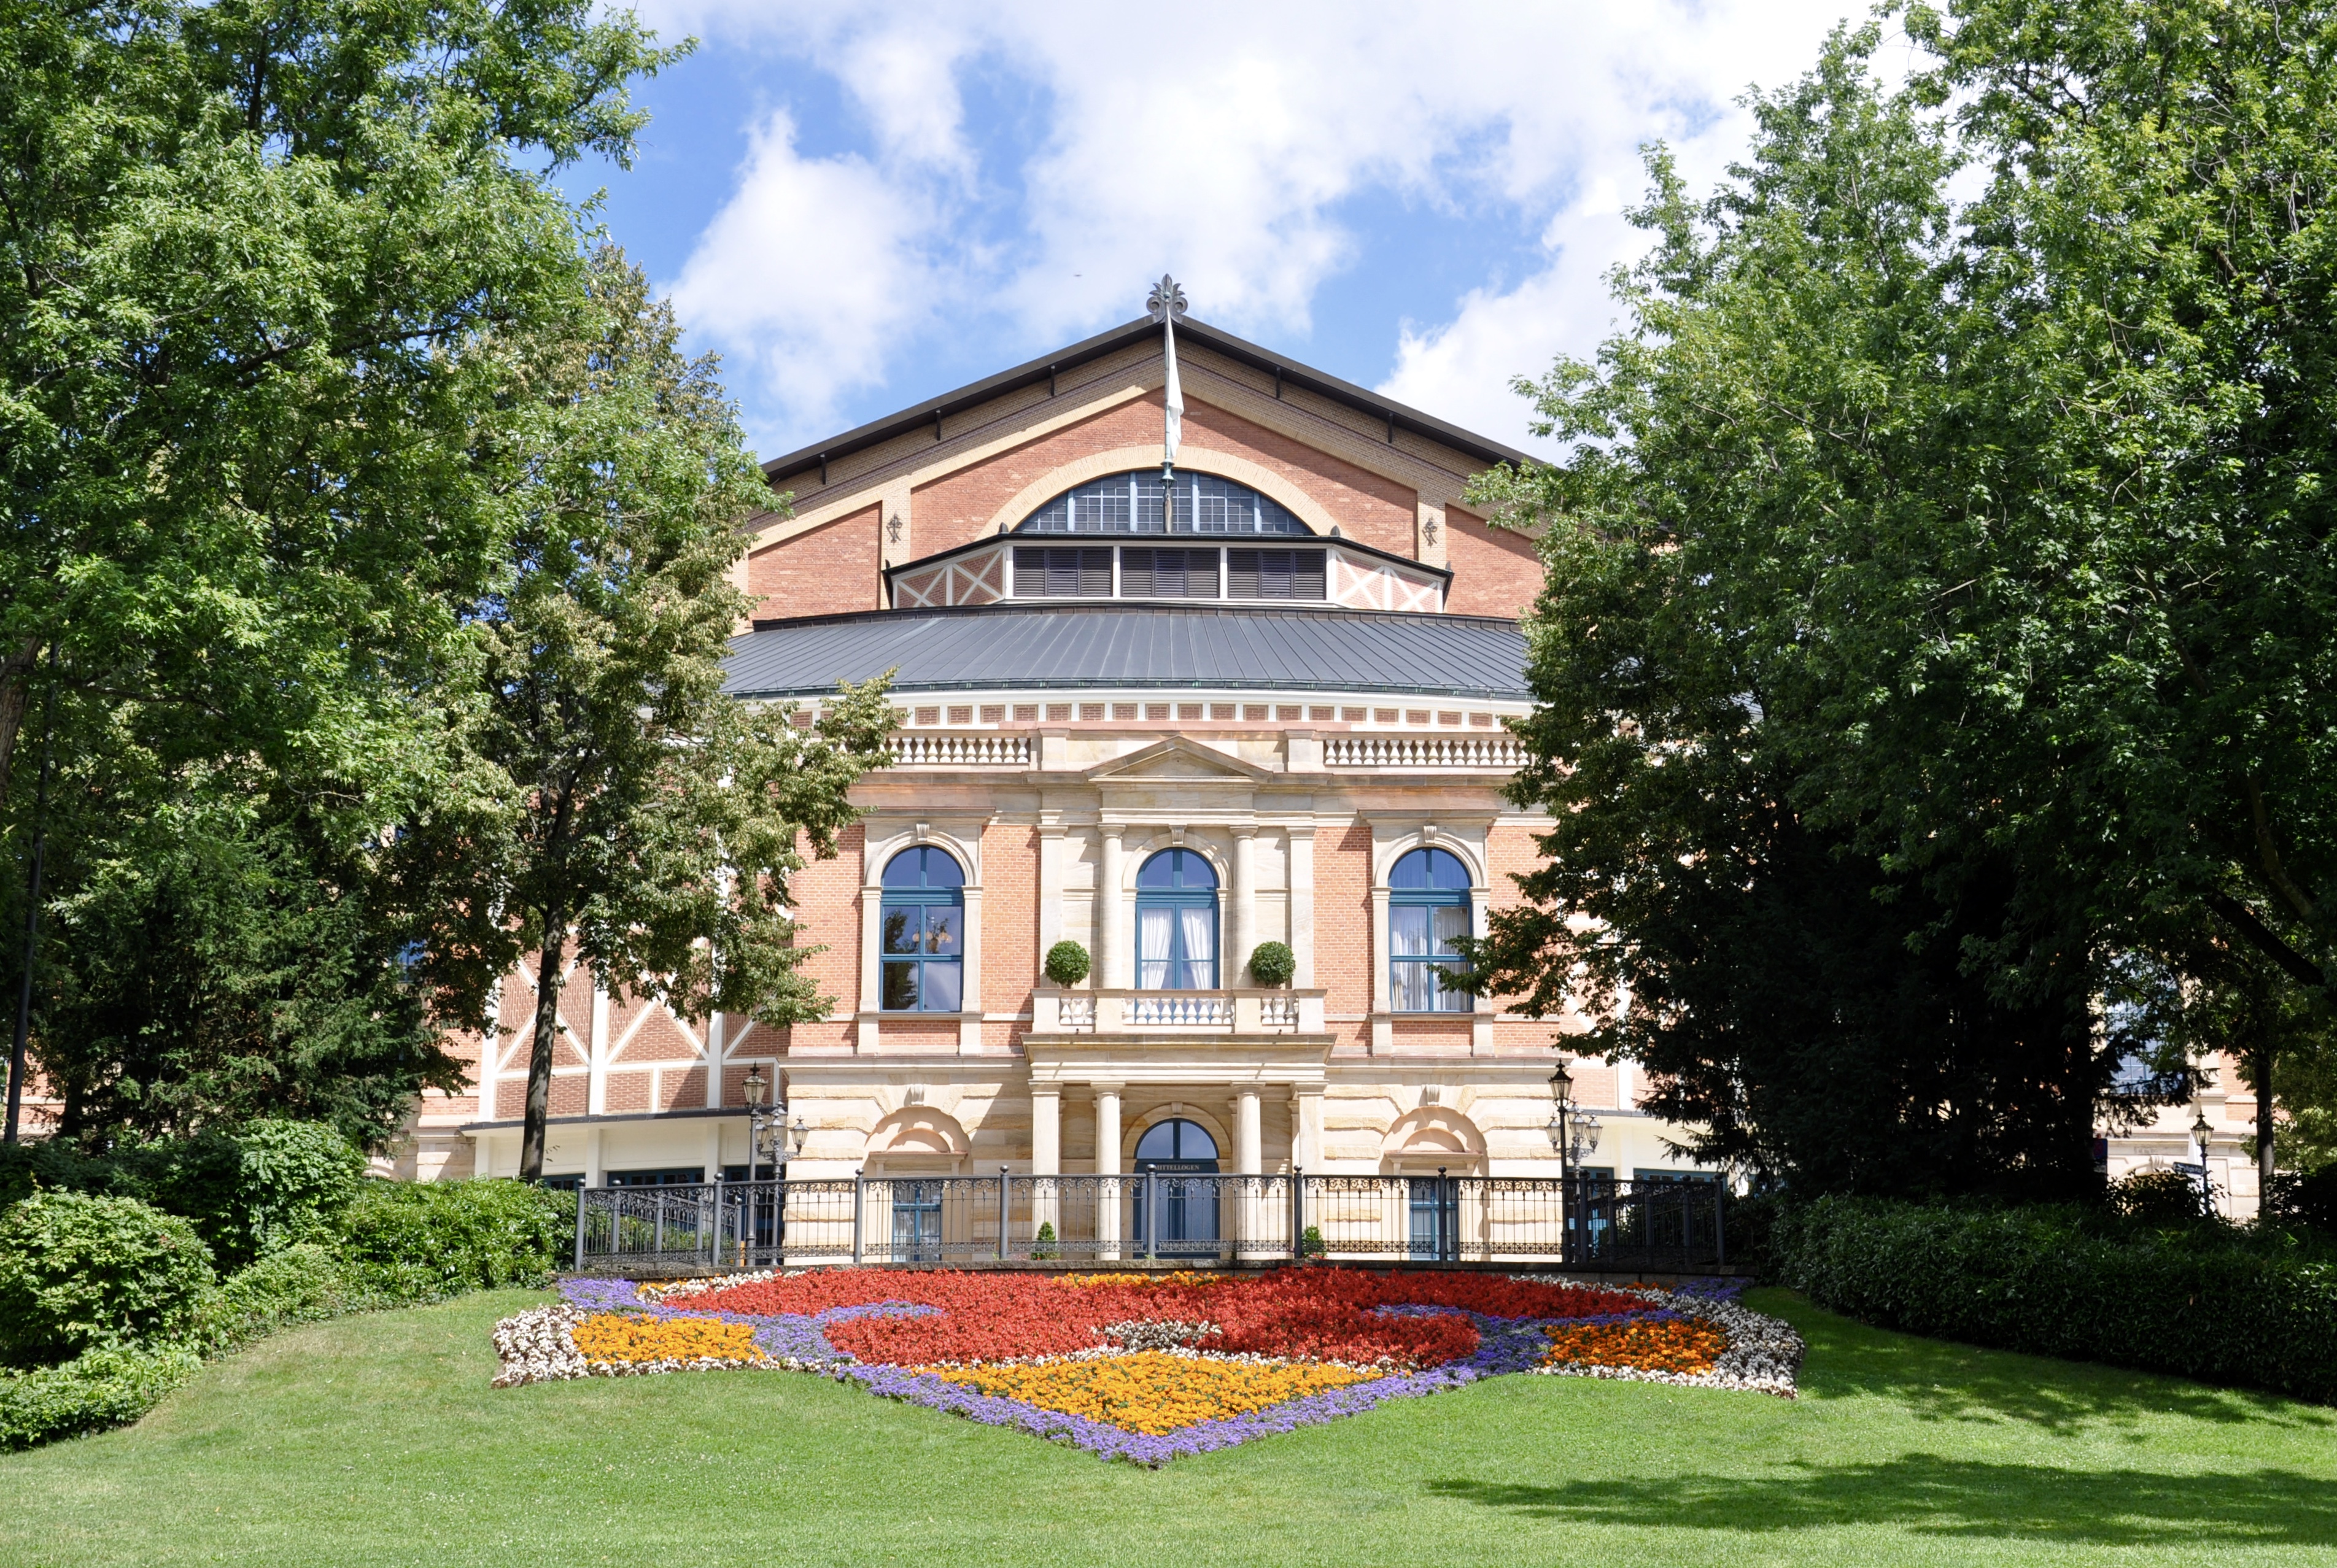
(836,567)
(1343,926)
(1009,921)
(955,510)
(825,897)
(1495,571)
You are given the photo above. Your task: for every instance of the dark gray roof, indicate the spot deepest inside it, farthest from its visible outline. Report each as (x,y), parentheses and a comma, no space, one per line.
(1020,647)
(1044,368)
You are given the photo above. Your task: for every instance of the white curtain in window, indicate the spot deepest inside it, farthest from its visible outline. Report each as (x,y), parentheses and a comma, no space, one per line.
(1200,945)
(1152,933)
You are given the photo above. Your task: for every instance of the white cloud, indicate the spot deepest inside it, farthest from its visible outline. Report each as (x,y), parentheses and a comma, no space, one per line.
(810,277)
(1220,141)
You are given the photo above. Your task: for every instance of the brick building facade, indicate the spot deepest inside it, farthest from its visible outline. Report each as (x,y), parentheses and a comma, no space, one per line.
(1277,680)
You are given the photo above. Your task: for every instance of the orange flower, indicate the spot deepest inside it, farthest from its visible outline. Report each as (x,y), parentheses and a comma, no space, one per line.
(621,1338)
(1152,1391)
(1687,1346)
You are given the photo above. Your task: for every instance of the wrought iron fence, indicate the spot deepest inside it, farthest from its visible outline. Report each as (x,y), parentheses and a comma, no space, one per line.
(1151,1218)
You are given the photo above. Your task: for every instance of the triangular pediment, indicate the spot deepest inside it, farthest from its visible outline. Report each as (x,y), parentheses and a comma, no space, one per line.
(1179,760)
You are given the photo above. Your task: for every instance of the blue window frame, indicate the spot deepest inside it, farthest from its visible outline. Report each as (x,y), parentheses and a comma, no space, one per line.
(1176,923)
(1428,906)
(923,926)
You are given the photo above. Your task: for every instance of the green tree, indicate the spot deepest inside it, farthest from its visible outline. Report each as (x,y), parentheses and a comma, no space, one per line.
(615,804)
(263,255)
(1947,547)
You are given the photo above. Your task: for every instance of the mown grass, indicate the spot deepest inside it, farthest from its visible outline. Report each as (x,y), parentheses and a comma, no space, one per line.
(376,1441)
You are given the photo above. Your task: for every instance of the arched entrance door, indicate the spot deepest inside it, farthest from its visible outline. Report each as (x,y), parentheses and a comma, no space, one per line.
(1182,1159)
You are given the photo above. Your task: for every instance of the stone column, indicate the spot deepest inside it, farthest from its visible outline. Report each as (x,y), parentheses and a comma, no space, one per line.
(1306,1127)
(1050,881)
(592,1157)
(1046,1156)
(1302,904)
(1235,970)
(1112,939)
(1107,1164)
(1046,1129)
(872,971)
(1248,1142)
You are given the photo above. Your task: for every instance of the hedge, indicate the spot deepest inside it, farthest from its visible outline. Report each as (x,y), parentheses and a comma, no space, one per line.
(107,1387)
(2049,1283)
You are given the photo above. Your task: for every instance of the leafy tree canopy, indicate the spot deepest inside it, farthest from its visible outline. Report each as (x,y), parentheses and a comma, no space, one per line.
(1940,591)
(610,805)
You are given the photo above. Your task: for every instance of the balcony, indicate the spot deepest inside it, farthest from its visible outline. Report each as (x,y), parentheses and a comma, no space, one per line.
(1109,1010)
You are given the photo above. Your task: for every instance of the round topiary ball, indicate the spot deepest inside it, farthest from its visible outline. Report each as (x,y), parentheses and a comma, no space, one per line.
(1066,963)
(1272,963)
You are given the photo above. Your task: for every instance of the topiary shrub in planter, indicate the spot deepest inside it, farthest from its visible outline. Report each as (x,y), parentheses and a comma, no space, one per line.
(1272,963)
(1042,1245)
(1310,1241)
(1067,964)
(78,1271)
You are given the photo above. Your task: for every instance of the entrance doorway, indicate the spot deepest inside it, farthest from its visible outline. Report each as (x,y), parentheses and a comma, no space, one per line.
(917,1221)
(1183,1159)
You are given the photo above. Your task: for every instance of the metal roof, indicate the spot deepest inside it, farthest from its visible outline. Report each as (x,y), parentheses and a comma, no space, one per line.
(1287,371)
(998,648)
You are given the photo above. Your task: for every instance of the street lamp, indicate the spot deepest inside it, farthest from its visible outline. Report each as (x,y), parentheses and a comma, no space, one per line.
(768,1133)
(2200,1133)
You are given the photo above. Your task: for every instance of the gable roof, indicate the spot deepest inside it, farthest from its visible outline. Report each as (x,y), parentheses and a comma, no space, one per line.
(1288,371)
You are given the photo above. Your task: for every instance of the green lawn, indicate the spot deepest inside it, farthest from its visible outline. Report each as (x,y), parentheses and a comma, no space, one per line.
(376,1441)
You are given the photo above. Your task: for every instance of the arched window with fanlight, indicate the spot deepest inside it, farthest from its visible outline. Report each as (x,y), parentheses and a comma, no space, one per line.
(1176,923)
(1428,907)
(924,932)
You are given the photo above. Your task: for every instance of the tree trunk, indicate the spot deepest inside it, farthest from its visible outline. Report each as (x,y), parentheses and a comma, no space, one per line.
(2263,1125)
(539,1056)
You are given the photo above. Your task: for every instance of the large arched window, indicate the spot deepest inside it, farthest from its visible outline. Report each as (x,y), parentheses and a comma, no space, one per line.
(1428,906)
(1188,1143)
(923,927)
(1144,503)
(1176,923)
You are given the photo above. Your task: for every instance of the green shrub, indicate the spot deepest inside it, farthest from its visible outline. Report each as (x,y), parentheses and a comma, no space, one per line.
(2194,1303)
(1066,963)
(1272,963)
(2304,1200)
(58,1165)
(419,1240)
(1310,1241)
(306,1283)
(107,1387)
(1042,1245)
(271,1185)
(2157,1198)
(78,1271)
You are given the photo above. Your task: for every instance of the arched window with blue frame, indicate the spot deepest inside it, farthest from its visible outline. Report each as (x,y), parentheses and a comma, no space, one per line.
(924,932)
(1428,907)
(1176,923)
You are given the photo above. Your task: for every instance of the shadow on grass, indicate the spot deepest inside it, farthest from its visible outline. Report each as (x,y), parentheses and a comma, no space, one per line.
(1935,1496)
(1936,1380)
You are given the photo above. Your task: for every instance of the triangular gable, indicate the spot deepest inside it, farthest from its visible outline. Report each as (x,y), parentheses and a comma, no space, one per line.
(1179,760)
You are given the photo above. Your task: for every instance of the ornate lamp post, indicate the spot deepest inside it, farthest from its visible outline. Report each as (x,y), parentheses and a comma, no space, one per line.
(2200,1135)
(768,1136)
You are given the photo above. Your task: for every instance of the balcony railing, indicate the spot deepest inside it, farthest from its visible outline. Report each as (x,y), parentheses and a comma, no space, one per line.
(1111,1010)
(1152,1217)
(915,748)
(1481,754)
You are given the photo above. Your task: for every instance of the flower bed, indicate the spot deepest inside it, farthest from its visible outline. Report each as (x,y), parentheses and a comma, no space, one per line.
(1144,1368)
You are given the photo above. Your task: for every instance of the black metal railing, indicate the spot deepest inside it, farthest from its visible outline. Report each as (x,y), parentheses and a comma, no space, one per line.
(1149,1219)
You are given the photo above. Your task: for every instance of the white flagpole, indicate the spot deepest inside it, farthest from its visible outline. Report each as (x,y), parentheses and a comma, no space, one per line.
(1168,303)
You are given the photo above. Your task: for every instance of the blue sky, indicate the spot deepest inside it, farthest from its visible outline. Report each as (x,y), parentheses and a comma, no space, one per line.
(862,205)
